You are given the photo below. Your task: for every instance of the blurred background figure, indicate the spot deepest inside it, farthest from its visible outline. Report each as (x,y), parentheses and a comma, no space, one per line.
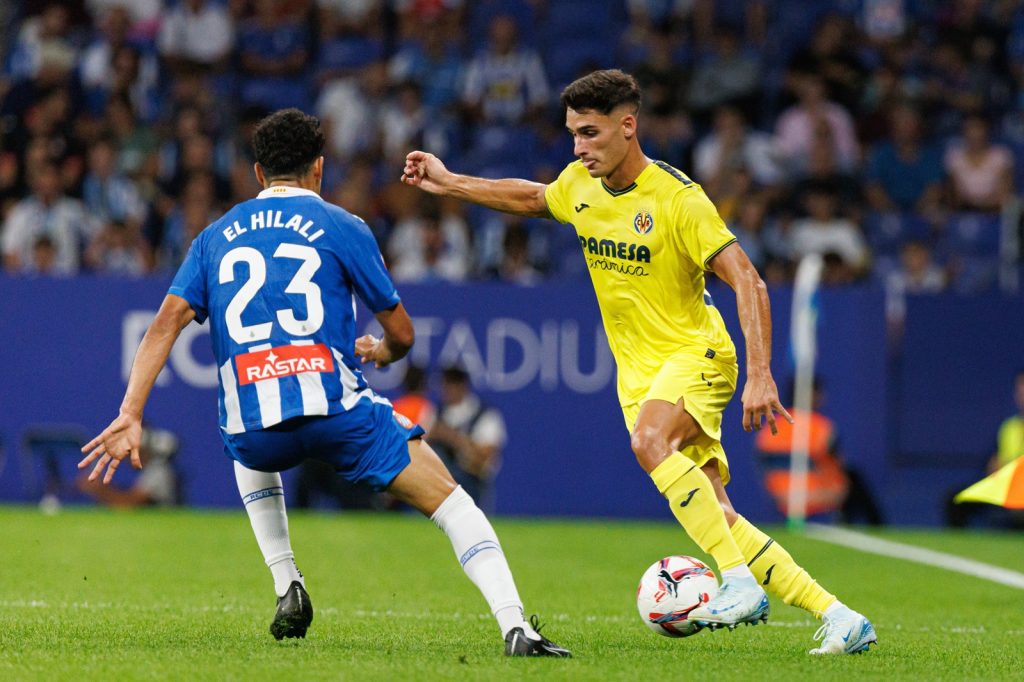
(833,483)
(156,485)
(414,403)
(468,435)
(1009,448)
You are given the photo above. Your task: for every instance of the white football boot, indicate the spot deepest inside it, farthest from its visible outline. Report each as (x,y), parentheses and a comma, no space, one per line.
(844,632)
(739,600)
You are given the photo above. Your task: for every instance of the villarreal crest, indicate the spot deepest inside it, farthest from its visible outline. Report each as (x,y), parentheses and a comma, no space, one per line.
(643,222)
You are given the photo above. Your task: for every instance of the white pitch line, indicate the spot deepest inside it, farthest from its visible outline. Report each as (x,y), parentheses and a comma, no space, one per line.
(920,555)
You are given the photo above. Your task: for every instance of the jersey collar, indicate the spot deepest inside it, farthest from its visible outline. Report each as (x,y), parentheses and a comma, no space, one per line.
(632,186)
(285,191)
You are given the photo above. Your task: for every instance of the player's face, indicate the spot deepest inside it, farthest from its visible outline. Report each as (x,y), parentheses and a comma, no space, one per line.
(600,141)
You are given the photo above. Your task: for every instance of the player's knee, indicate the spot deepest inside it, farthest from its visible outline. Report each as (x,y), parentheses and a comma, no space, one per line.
(650,447)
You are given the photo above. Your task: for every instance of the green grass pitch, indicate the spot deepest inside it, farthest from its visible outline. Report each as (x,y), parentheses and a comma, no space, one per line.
(91,594)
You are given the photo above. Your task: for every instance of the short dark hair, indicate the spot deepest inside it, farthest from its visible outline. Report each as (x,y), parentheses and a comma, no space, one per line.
(602,91)
(287,143)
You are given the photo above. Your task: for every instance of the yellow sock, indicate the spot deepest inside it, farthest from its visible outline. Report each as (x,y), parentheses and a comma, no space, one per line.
(775,569)
(692,500)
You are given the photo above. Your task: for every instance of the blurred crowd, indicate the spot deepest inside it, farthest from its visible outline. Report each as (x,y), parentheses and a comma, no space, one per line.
(885,135)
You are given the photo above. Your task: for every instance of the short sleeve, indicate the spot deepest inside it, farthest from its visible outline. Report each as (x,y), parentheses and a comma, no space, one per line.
(365,267)
(556,197)
(702,231)
(190,282)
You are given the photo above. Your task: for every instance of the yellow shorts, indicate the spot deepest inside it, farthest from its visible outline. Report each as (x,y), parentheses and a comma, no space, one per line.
(706,385)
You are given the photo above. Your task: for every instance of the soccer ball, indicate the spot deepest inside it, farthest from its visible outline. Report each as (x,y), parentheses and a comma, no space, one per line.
(669,590)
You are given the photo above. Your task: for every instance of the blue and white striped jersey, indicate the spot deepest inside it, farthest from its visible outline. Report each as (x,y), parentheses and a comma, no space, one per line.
(277,276)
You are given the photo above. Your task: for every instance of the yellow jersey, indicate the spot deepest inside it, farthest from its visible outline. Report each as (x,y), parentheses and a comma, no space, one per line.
(647,247)
(1010,440)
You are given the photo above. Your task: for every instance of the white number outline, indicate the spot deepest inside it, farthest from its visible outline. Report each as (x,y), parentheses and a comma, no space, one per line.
(300,283)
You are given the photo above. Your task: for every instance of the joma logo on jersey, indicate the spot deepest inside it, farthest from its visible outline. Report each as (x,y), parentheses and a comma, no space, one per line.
(643,222)
(611,249)
(283,361)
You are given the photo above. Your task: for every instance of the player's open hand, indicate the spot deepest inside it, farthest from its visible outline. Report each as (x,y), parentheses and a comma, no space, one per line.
(371,349)
(119,440)
(761,403)
(425,171)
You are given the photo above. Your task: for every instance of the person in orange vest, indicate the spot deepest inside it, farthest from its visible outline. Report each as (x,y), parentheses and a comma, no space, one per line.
(831,484)
(414,404)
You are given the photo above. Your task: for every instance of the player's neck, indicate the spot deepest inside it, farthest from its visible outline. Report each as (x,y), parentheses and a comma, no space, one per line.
(309,183)
(626,173)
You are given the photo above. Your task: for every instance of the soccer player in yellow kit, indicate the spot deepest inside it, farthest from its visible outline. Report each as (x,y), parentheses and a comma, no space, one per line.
(648,234)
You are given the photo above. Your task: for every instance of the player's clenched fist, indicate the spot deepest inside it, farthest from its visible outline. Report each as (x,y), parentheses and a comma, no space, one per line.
(371,349)
(425,171)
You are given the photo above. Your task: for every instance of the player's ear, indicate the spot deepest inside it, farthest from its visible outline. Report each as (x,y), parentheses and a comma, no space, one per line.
(318,168)
(628,126)
(260,177)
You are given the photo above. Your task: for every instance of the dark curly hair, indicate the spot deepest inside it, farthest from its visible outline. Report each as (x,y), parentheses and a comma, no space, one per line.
(287,142)
(602,91)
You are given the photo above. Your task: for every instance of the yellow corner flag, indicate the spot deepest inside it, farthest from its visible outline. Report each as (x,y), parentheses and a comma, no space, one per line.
(1004,488)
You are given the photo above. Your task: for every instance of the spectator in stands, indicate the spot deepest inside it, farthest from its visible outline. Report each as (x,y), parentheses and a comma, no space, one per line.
(515,264)
(918,273)
(506,83)
(980,172)
(136,143)
(43,39)
(748,226)
(112,65)
(833,55)
(430,248)
(727,76)
(350,112)
(350,39)
(49,213)
(118,249)
(798,125)
(732,145)
(196,36)
(195,210)
(406,124)
(903,173)
(821,231)
(468,435)
(273,50)
(431,60)
(109,195)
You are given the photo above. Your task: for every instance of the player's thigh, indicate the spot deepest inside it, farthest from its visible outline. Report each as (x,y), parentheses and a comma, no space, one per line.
(703,385)
(425,483)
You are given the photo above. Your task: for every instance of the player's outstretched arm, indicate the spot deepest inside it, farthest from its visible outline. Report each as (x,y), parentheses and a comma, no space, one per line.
(124,435)
(520,197)
(760,395)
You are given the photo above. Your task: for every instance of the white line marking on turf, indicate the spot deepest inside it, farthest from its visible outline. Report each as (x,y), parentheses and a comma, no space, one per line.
(374,614)
(929,557)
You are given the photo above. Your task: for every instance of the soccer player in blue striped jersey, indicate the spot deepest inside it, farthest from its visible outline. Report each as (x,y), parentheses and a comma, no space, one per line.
(277,278)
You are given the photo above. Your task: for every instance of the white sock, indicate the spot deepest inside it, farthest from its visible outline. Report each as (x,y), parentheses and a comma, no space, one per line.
(263,497)
(741,571)
(479,552)
(833,608)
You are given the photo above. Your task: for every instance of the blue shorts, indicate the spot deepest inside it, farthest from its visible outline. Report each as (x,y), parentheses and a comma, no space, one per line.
(366,445)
